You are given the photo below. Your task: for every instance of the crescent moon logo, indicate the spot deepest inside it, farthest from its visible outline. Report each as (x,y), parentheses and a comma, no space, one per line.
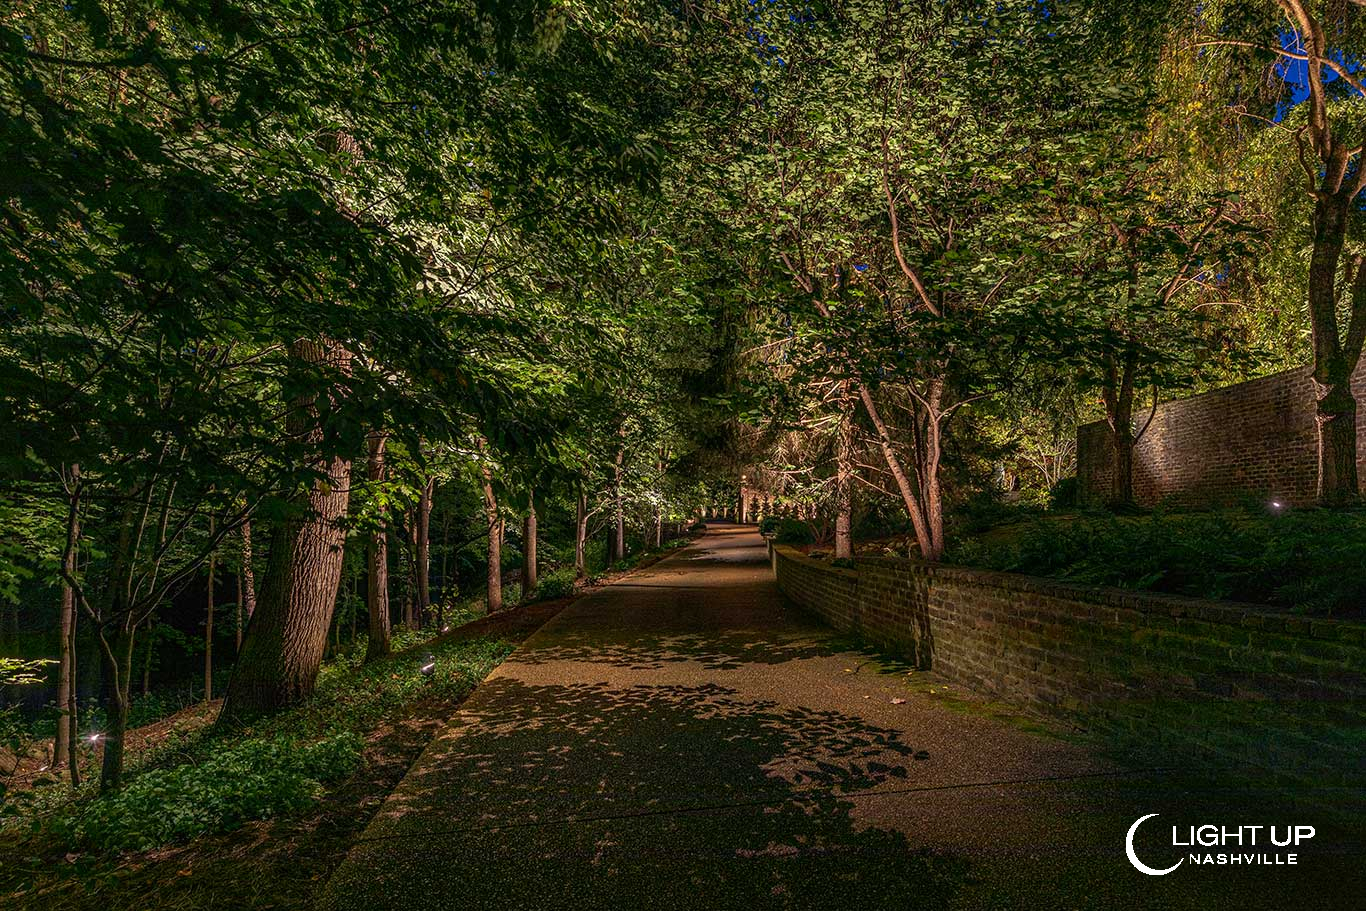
(1133,858)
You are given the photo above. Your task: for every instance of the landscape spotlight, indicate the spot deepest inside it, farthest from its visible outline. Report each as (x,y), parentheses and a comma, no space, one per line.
(429,667)
(1275,504)
(94,738)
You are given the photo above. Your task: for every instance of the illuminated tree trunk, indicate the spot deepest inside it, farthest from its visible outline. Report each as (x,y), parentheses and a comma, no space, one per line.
(529,568)
(117,649)
(285,640)
(64,745)
(410,589)
(115,640)
(445,569)
(617,540)
(926,535)
(659,506)
(148,654)
(1336,415)
(494,567)
(248,578)
(1335,357)
(377,562)
(237,617)
(844,474)
(1118,393)
(1338,177)
(208,630)
(581,536)
(422,551)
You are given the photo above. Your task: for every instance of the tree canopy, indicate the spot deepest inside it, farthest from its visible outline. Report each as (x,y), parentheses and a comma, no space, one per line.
(337,271)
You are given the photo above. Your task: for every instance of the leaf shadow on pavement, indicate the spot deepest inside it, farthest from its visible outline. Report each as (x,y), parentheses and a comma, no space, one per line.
(644,797)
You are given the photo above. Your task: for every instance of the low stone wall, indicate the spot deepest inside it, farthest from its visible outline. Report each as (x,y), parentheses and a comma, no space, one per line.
(1223,682)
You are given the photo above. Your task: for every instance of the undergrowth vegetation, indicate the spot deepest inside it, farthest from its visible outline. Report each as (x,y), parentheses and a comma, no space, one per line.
(559,584)
(215,780)
(1306,561)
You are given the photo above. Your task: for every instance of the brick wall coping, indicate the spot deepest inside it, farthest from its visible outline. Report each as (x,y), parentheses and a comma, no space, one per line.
(1228,613)
(1232,389)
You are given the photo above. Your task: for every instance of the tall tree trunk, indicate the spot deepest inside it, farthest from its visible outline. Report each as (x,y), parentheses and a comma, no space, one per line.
(237,617)
(208,630)
(445,566)
(147,657)
(377,562)
(529,567)
(248,577)
(924,535)
(117,649)
(410,588)
(932,491)
(844,474)
(64,744)
(494,594)
(581,536)
(1118,392)
(114,635)
(659,505)
(1335,358)
(618,538)
(285,640)
(422,550)
(1336,416)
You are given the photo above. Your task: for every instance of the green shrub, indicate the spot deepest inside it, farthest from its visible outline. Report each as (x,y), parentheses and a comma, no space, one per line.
(792,531)
(769,525)
(557,585)
(253,779)
(1302,560)
(987,510)
(1064,494)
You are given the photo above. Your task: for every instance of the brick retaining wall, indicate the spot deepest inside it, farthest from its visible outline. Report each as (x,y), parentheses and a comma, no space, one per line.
(1254,439)
(1223,681)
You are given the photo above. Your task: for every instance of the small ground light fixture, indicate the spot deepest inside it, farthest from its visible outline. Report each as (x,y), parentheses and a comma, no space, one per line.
(1276,504)
(428,665)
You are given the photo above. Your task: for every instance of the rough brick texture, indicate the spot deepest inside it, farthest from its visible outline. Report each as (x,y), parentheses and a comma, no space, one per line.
(1253,439)
(1219,681)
